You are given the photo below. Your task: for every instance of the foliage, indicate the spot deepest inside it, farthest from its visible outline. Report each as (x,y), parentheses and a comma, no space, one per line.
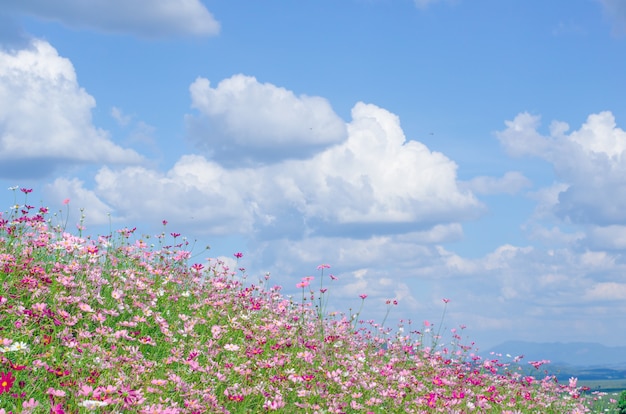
(621,404)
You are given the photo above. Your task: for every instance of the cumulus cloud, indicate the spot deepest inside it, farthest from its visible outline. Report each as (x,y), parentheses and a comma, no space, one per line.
(376,182)
(377,176)
(244,119)
(511,183)
(45,116)
(195,192)
(590,161)
(140,17)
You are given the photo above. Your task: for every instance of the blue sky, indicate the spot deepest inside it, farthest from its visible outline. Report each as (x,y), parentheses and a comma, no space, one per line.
(427,149)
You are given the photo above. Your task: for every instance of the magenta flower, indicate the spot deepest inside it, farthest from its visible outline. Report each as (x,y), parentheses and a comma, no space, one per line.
(6,381)
(57,409)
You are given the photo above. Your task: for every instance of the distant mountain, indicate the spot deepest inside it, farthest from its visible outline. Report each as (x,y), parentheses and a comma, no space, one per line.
(579,354)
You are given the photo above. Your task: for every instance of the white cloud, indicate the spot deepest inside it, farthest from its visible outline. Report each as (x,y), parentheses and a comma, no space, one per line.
(557,277)
(547,199)
(611,237)
(554,235)
(244,118)
(590,161)
(521,137)
(511,183)
(377,176)
(600,135)
(502,257)
(518,284)
(597,260)
(376,182)
(45,116)
(141,17)
(195,192)
(606,291)
(96,212)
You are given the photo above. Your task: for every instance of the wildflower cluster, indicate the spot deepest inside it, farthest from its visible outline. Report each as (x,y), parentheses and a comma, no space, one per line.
(110,324)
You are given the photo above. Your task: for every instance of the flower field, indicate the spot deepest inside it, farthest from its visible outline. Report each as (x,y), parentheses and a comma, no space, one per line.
(133,324)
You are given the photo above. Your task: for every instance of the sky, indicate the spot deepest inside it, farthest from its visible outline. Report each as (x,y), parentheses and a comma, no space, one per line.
(425,149)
